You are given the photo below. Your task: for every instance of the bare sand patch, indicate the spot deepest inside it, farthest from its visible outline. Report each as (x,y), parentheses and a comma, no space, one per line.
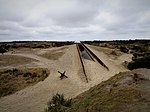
(52,54)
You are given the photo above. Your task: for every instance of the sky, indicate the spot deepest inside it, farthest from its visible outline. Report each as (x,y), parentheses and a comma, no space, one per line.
(74,20)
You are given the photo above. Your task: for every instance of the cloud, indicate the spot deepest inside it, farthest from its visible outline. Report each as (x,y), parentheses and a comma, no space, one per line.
(74,19)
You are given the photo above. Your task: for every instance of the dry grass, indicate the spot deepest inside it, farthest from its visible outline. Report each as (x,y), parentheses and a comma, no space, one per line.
(7,60)
(54,54)
(12,80)
(114,95)
(58,104)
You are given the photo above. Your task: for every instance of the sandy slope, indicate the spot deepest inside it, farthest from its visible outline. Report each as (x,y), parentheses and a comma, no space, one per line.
(125,92)
(35,98)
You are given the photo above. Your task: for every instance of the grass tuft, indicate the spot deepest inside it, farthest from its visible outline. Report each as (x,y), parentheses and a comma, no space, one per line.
(58,104)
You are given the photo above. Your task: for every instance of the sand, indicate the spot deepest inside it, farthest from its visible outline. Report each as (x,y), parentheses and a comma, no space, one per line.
(35,98)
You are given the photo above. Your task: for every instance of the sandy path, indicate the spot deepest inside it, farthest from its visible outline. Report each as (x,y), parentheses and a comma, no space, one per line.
(35,98)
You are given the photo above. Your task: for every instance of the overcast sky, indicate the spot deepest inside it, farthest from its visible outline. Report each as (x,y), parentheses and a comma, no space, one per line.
(74,19)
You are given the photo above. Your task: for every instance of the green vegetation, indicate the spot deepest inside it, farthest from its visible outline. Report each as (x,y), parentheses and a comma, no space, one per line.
(103,101)
(58,104)
(13,80)
(124,49)
(36,44)
(139,60)
(4,48)
(139,48)
(118,94)
(121,93)
(126,46)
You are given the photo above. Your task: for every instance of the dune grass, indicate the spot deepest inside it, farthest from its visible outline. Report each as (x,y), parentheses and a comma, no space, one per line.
(58,104)
(12,80)
(10,60)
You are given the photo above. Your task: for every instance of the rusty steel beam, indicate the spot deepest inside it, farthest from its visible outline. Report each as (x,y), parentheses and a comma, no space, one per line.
(83,68)
(95,57)
(88,52)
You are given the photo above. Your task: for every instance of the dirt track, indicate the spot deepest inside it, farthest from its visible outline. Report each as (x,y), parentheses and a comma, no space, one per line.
(35,98)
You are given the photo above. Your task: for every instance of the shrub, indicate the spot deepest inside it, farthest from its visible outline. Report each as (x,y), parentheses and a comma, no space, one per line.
(43,75)
(27,74)
(15,72)
(138,48)
(58,104)
(124,49)
(2,50)
(142,62)
(33,75)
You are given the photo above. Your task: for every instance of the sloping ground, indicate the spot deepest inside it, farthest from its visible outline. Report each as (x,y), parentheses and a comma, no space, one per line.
(124,92)
(35,98)
(12,80)
(114,64)
(53,54)
(96,73)
(10,60)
